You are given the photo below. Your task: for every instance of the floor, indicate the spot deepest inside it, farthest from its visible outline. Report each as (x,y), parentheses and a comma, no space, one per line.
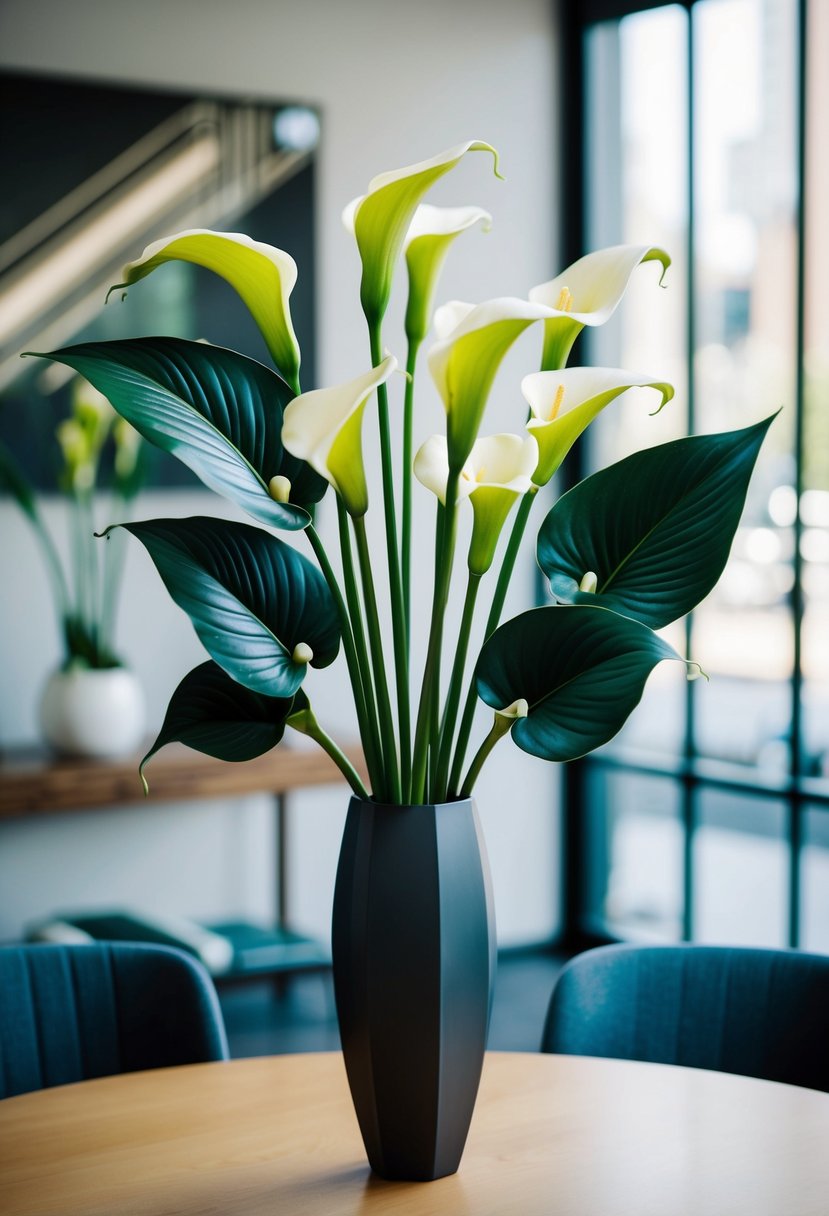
(261,1019)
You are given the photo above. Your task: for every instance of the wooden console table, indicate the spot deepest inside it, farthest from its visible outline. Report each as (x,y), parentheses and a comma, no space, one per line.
(33,782)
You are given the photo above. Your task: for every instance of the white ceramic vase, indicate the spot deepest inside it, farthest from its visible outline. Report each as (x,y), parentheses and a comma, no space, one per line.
(88,711)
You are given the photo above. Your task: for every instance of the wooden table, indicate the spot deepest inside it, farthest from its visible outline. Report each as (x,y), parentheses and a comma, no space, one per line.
(551,1135)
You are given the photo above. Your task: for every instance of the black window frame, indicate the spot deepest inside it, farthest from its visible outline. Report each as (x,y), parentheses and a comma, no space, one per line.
(581,852)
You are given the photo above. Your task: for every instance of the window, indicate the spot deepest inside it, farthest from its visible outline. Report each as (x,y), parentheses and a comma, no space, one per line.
(700,127)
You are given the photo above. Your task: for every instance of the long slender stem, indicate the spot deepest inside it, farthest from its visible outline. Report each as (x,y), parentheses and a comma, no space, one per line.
(114,551)
(372,741)
(63,604)
(499,728)
(406,522)
(453,697)
(307,724)
(94,565)
(443,576)
(89,557)
(434,707)
(500,595)
(398,614)
(348,640)
(392,773)
(80,587)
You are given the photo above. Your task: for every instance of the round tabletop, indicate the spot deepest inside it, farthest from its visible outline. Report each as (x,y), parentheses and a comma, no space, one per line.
(551,1134)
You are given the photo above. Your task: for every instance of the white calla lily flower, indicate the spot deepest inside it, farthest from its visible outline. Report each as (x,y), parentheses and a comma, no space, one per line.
(564,403)
(263,276)
(464,363)
(431,468)
(324,428)
(498,470)
(588,293)
(430,235)
(381,218)
(449,316)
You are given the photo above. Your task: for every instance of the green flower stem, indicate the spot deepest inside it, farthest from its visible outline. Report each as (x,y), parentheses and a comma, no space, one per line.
(406,525)
(500,727)
(348,642)
(398,614)
(53,565)
(392,773)
(81,571)
(90,552)
(501,588)
(372,742)
(443,576)
(306,723)
(434,708)
(113,568)
(453,697)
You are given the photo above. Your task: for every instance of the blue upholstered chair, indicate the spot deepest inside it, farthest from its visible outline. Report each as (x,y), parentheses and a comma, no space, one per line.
(69,1013)
(760,1013)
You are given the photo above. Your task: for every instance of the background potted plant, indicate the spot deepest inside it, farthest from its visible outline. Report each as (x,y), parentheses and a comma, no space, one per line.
(92,705)
(626,552)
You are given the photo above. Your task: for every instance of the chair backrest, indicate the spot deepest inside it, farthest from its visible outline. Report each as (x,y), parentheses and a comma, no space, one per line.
(70,1013)
(759,1013)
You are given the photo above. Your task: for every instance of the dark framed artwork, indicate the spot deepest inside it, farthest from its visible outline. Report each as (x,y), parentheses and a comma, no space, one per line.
(97,172)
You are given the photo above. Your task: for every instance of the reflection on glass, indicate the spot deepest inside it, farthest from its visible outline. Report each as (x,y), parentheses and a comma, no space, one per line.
(745,316)
(814,504)
(814,908)
(635,882)
(740,870)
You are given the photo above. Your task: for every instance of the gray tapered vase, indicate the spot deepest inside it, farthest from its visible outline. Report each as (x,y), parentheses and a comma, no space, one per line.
(414,962)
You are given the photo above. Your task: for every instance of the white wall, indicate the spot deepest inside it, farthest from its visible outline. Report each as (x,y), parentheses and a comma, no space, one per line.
(396,81)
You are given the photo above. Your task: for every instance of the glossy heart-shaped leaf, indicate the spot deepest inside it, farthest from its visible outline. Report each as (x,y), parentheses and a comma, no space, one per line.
(656,528)
(251,597)
(580,669)
(213,714)
(219,412)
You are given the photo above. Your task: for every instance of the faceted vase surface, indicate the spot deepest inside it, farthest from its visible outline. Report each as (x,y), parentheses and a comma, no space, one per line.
(414,960)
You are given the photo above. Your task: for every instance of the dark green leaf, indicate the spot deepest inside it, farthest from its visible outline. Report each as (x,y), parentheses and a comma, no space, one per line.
(213,714)
(580,669)
(251,598)
(656,528)
(219,412)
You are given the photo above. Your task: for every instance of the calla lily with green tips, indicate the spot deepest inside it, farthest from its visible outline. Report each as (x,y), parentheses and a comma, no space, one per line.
(380,219)
(588,293)
(498,471)
(564,403)
(262,275)
(464,363)
(430,235)
(324,427)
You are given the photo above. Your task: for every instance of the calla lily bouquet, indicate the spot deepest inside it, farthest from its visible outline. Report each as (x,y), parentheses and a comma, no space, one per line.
(626,552)
(86,588)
